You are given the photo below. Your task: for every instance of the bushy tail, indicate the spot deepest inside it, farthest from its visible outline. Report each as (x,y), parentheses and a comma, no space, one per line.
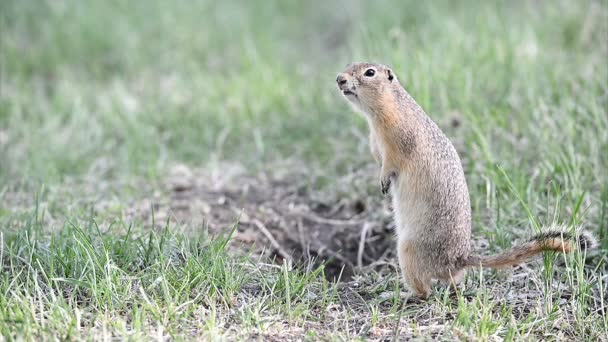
(558,241)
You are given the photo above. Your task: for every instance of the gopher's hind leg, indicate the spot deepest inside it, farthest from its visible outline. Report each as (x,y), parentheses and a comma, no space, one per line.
(414,276)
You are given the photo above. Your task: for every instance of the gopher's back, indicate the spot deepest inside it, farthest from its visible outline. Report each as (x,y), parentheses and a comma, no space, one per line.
(431,200)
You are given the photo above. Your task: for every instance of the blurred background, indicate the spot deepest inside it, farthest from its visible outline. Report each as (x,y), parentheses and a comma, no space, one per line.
(107,90)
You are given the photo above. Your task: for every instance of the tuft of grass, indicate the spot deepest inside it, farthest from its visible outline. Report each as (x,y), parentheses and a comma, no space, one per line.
(83,276)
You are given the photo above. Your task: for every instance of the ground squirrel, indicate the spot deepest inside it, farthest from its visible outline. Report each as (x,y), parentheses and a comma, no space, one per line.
(421,169)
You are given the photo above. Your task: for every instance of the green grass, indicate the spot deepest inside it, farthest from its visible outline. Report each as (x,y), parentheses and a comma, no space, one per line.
(100,97)
(85,281)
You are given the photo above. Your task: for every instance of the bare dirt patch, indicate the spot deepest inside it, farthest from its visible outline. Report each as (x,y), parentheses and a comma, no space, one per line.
(280,215)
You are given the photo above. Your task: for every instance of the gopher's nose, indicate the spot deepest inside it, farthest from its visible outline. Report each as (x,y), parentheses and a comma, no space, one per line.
(341,79)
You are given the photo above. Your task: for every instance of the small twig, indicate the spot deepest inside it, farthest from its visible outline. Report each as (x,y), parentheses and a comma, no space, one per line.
(383,263)
(258,224)
(319,219)
(300,227)
(364,231)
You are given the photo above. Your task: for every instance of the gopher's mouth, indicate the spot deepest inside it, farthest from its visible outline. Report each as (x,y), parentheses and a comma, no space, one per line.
(349,93)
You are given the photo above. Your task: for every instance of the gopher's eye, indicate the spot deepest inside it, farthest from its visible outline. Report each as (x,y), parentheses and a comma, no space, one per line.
(370,72)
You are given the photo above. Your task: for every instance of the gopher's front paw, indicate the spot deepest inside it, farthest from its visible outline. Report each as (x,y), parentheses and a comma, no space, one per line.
(386,181)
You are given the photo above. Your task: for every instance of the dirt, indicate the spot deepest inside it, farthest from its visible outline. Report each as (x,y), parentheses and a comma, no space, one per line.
(280,215)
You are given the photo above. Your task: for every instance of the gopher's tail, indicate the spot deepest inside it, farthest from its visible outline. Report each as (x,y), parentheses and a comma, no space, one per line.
(558,241)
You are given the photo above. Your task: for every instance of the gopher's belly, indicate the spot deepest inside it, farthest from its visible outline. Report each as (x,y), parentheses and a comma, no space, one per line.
(440,227)
(410,211)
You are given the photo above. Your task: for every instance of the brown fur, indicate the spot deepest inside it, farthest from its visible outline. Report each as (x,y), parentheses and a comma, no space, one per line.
(427,184)
(556,241)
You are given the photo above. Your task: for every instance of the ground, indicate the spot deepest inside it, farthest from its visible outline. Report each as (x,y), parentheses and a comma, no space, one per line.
(188,170)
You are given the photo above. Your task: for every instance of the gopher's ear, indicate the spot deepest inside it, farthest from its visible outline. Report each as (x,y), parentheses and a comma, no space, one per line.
(390,74)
